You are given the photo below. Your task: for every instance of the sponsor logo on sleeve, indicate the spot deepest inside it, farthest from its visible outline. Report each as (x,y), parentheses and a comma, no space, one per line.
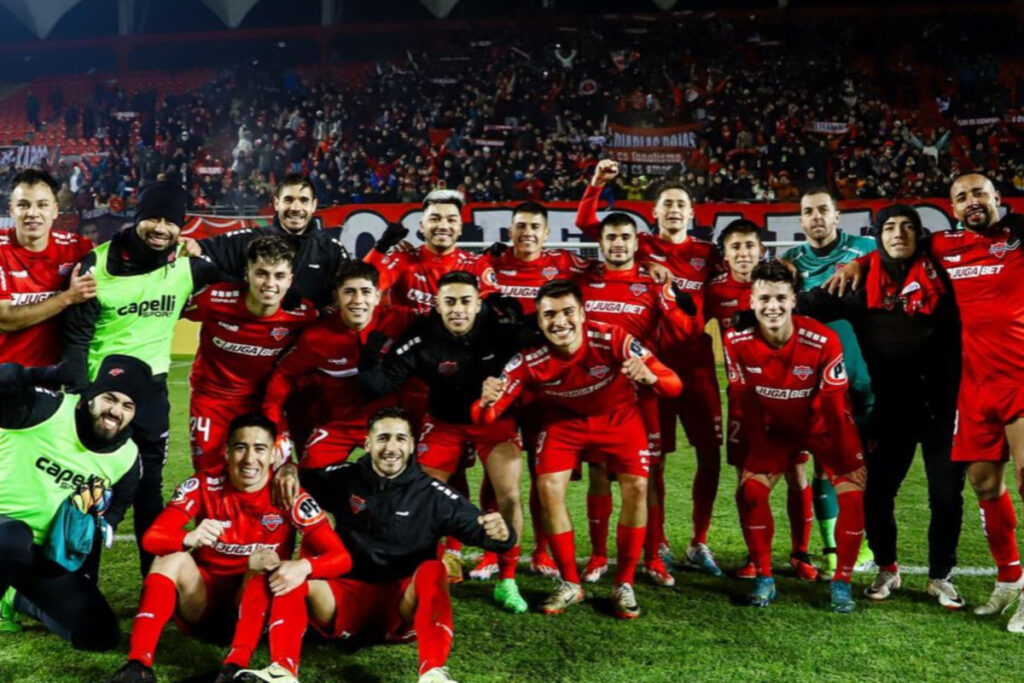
(835,373)
(186,487)
(306,511)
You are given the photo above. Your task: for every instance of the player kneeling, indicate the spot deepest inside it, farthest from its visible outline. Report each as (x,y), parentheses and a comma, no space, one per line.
(218,576)
(788,394)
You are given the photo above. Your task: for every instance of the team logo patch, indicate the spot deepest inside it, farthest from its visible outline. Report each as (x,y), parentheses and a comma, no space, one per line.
(599,371)
(448,367)
(356,504)
(421,448)
(636,349)
(835,373)
(489,277)
(65,268)
(279,333)
(186,487)
(271,521)
(803,371)
(549,273)
(698,263)
(306,511)
(115,372)
(637,289)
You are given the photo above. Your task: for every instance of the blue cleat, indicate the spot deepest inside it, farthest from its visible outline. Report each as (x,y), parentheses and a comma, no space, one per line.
(842,597)
(701,557)
(764,592)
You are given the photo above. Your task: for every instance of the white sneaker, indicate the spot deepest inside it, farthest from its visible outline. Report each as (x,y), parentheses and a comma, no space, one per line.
(275,673)
(1016,623)
(1003,595)
(946,592)
(439,674)
(624,600)
(883,585)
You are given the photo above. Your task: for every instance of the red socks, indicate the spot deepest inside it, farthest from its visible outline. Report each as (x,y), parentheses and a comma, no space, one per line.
(705,488)
(433,619)
(507,563)
(849,533)
(599,514)
(563,548)
(452,544)
(629,543)
(1000,523)
(288,620)
(758,524)
(801,516)
(252,615)
(156,607)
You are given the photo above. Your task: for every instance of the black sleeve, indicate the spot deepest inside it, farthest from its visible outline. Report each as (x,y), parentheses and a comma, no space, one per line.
(123,493)
(204,273)
(391,373)
(460,519)
(227,251)
(824,307)
(21,403)
(79,326)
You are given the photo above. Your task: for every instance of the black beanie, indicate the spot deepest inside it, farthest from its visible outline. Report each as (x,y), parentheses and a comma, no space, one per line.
(904,210)
(163,199)
(124,374)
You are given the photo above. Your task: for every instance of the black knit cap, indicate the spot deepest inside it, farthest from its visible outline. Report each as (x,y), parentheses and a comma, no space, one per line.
(125,374)
(894,210)
(162,199)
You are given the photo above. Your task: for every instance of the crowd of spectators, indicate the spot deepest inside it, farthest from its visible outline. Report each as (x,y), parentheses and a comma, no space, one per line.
(772,105)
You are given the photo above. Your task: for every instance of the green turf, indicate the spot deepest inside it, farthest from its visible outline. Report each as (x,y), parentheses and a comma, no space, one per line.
(697,631)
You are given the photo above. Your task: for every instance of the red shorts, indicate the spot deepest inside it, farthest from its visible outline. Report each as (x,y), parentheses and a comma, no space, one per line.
(221,612)
(982,413)
(208,420)
(360,606)
(778,456)
(442,445)
(332,443)
(617,439)
(699,406)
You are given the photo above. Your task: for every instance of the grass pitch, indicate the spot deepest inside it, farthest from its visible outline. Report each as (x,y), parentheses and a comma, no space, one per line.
(697,631)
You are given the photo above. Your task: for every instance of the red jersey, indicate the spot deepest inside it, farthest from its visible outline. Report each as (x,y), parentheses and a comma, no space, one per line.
(251,522)
(237,349)
(590,381)
(725,296)
(411,278)
(29,277)
(630,299)
(521,279)
(987,272)
(331,350)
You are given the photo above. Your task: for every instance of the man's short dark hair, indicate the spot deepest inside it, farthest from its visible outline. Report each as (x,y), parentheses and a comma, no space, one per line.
(35,176)
(458,277)
(556,289)
(773,271)
(356,270)
(270,248)
(300,179)
(531,207)
(444,197)
(740,226)
(818,189)
(252,420)
(390,412)
(617,219)
(672,184)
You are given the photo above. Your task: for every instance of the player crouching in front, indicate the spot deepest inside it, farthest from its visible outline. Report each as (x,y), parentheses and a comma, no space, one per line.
(788,394)
(219,576)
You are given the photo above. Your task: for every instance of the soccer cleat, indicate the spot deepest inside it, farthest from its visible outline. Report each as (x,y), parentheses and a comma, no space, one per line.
(883,585)
(701,557)
(595,569)
(802,567)
(764,592)
(747,572)
(842,597)
(665,553)
(227,673)
(506,594)
(565,595)
(439,674)
(541,563)
(829,564)
(865,558)
(133,671)
(1003,595)
(1016,623)
(656,571)
(946,592)
(486,568)
(275,673)
(452,560)
(624,600)
(8,616)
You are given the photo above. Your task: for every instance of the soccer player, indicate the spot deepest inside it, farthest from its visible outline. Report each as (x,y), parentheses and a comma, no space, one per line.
(727,294)
(244,329)
(826,249)
(691,262)
(906,321)
(39,273)
(329,350)
(788,394)
(585,376)
(142,285)
(199,576)
(52,444)
(392,515)
(452,351)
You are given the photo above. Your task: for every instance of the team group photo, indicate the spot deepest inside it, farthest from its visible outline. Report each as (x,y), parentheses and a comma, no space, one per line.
(565,341)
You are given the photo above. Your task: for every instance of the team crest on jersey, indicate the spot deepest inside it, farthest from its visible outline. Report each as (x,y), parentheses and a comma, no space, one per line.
(599,371)
(698,263)
(279,333)
(448,368)
(549,273)
(803,371)
(115,372)
(999,249)
(637,289)
(356,504)
(65,268)
(271,521)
